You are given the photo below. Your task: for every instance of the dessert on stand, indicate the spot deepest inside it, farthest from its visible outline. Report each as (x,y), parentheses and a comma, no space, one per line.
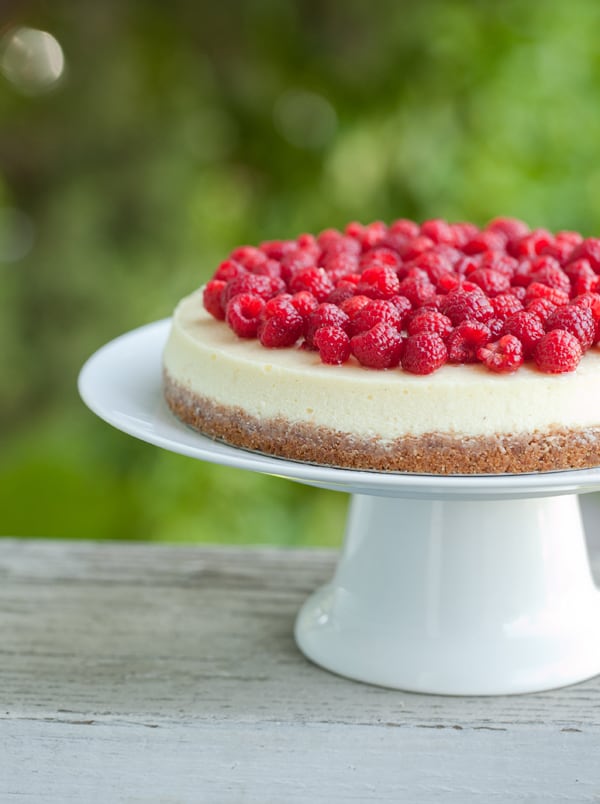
(464,568)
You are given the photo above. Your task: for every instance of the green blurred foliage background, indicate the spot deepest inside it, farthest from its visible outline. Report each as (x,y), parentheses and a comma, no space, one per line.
(180,130)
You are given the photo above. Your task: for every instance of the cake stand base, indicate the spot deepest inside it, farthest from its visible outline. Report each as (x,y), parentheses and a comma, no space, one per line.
(479,597)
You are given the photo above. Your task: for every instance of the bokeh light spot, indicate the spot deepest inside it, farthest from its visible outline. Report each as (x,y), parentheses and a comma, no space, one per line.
(32,60)
(305,119)
(16,234)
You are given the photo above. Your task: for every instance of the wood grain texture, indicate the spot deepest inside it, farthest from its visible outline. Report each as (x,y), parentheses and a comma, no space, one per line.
(143,673)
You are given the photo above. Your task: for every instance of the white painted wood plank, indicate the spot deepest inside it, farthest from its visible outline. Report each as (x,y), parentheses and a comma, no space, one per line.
(277,763)
(133,672)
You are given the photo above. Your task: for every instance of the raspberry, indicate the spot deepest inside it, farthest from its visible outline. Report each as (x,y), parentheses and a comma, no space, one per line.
(588,249)
(563,246)
(499,261)
(492,282)
(434,264)
(424,353)
(502,356)
(333,345)
(582,276)
(430,321)
(591,300)
(368,236)
(380,256)
(280,324)
(415,247)
(488,240)
(558,352)
(416,287)
(464,341)
(463,232)
(264,286)
(437,230)
(308,242)
(343,290)
(211,298)
(379,282)
(505,305)
(339,265)
(404,227)
(315,280)
(333,242)
(379,347)
(326,315)
(495,326)
(296,260)
(547,271)
(461,305)
(304,302)
(511,228)
(242,314)
(538,291)
(229,269)
(248,256)
(543,308)
(377,311)
(352,306)
(577,320)
(531,245)
(528,328)
(276,249)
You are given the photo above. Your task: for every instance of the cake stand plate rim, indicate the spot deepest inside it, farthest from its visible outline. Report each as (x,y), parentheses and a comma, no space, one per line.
(121,383)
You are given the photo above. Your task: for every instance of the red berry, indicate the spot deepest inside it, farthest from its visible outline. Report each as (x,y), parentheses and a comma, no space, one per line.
(502,356)
(527,327)
(438,230)
(511,228)
(417,287)
(424,353)
(404,227)
(344,289)
(379,347)
(229,269)
(276,249)
(543,308)
(430,321)
(588,249)
(488,240)
(339,265)
(415,247)
(315,280)
(377,311)
(264,286)
(577,320)
(297,260)
(505,305)
(243,313)
(538,291)
(379,282)
(492,282)
(211,298)
(547,271)
(326,315)
(333,345)
(531,245)
(280,324)
(304,302)
(461,305)
(248,256)
(464,341)
(354,305)
(558,352)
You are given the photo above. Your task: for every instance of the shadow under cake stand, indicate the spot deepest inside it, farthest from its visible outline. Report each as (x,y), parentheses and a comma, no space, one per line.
(466,585)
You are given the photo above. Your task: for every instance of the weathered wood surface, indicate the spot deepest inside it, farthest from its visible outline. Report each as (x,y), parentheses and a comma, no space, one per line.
(144,673)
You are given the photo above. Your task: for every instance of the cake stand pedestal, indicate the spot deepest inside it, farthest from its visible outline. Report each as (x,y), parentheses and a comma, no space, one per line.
(458,597)
(463,585)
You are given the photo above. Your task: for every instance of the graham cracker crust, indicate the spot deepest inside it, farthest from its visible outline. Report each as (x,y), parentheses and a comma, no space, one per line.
(431,453)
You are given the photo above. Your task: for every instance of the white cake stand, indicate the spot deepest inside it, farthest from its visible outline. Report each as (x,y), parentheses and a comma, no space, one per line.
(470,585)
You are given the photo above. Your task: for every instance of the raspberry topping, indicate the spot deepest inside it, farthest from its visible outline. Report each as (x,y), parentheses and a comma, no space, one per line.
(558,352)
(424,353)
(503,356)
(379,347)
(333,345)
(418,295)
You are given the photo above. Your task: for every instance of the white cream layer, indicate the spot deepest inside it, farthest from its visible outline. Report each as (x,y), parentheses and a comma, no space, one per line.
(206,357)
